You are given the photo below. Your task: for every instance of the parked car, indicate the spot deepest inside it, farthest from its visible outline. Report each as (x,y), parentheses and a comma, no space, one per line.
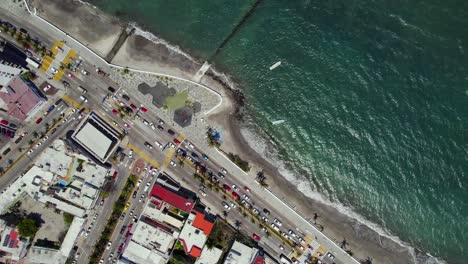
(160,128)
(111,89)
(39,120)
(277,222)
(143,109)
(205,157)
(256,237)
(266,211)
(170,132)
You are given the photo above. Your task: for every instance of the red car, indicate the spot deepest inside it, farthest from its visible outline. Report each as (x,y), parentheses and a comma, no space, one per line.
(227,187)
(39,120)
(133,107)
(235,195)
(127,125)
(246,189)
(114,112)
(177,142)
(143,109)
(114,175)
(4,122)
(256,237)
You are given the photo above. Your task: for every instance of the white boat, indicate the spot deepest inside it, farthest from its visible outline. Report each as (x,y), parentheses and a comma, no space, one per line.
(277,122)
(275,65)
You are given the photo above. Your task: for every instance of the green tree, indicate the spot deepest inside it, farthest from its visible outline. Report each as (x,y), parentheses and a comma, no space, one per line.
(68,218)
(35,134)
(27,227)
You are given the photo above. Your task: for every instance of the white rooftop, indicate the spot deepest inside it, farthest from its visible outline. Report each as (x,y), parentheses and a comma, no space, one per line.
(153,237)
(24,184)
(209,256)
(55,159)
(93,174)
(71,235)
(192,236)
(93,139)
(241,254)
(139,254)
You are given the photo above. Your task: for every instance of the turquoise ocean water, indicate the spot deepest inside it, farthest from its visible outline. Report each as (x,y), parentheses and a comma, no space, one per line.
(374,94)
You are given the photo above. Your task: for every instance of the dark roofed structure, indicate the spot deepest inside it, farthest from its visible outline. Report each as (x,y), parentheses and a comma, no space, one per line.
(183,116)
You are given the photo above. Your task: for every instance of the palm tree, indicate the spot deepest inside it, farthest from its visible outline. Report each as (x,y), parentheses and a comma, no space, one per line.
(344,244)
(237,224)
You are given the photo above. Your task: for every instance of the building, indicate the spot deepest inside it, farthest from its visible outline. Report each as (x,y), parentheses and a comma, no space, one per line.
(242,254)
(158,227)
(12,248)
(21,98)
(196,230)
(96,138)
(12,62)
(209,256)
(180,198)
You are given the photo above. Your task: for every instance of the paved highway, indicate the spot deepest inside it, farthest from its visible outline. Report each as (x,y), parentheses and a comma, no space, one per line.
(97,87)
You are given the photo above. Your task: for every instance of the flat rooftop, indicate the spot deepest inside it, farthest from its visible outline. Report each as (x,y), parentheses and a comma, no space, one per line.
(96,141)
(97,137)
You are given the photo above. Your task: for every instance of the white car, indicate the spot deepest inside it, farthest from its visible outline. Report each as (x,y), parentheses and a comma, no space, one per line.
(172,145)
(158,144)
(226,206)
(203,193)
(130,153)
(47,88)
(138,183)
(223,170)
(145,122)
(161,122)
(148,184)
(277,222)
(233,205)
(191,145)
(173,163)
(38,144)
(246,197)
(281,247)
(152,126)
(290,232)
(235,187)
(109,245)
(84,99)
(84,72)
(30,152)
(54,70)
(265,219)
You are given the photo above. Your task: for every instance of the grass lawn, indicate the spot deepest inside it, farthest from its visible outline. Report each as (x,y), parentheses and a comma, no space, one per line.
(177,101)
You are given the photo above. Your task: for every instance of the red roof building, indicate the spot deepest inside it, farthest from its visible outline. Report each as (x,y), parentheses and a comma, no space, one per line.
(195,232)
(21,98)
(172,198)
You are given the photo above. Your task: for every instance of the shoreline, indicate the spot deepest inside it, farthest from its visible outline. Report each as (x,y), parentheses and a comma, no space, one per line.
(227,117)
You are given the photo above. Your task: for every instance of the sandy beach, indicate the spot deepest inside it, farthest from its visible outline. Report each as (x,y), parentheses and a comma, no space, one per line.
(138,52)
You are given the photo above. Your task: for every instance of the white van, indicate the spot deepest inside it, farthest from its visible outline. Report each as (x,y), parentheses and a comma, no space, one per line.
(159,145)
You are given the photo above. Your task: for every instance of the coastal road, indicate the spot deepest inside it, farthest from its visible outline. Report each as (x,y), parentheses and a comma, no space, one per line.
(21,165)
(237,175)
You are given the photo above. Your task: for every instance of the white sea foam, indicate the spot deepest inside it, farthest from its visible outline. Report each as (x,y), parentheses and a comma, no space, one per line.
(157,40)
(266,150)
(263,147)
